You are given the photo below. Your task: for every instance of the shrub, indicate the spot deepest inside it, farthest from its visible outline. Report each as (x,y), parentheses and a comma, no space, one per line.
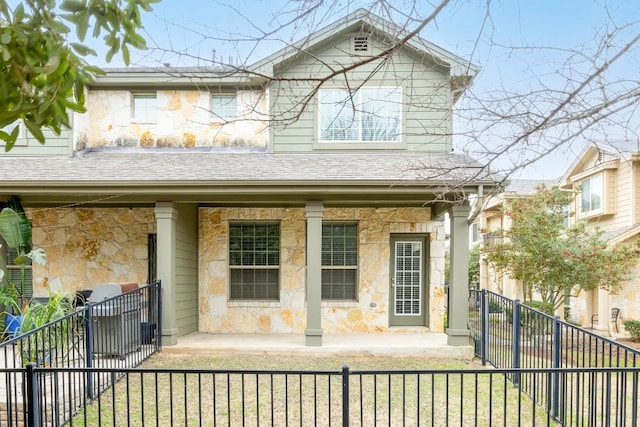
(545,307)
(494,306)
(633,327)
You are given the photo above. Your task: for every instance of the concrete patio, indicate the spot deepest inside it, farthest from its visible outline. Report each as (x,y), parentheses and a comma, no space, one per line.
(427,344)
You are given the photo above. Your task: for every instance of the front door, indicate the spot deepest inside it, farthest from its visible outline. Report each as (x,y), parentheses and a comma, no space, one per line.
(408,277)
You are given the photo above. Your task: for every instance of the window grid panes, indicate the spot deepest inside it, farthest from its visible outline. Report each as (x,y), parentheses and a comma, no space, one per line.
(254,261)
(223,107)
(591,194)
(365,115)
(339,261)
(145,108)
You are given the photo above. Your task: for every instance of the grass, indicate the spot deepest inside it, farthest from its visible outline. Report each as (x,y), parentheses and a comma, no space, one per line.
(202,395)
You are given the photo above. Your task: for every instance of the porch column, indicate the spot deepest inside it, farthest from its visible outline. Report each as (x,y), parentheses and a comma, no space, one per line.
(458,332)
(313,332)
(166,215)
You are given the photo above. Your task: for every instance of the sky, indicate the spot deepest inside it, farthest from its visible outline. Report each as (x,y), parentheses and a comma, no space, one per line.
(519,45)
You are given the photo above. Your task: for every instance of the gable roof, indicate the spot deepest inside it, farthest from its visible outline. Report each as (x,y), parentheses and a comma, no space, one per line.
(608,151)
(458,66)
(461,71)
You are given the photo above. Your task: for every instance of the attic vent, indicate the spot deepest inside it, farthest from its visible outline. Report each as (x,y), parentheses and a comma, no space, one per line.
(361,44)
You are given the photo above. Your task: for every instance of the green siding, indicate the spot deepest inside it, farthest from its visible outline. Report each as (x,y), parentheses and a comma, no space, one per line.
(27,145)
(427,118)
(186,303)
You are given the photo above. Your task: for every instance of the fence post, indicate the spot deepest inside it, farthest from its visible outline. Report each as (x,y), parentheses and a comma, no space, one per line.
(484,326)
(556,345)
(159,314)
(515,341)
(345,396)
(33,405)
(88,343)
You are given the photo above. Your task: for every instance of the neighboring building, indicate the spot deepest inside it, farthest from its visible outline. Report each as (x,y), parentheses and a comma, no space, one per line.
(607,178)
(484,232)
(257,215)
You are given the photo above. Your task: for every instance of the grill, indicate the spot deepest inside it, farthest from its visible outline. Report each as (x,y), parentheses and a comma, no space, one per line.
(116,319)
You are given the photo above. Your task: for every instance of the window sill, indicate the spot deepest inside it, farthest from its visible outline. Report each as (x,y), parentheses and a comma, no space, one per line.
(253,303)
(359,145)
(344,304)
(143,122)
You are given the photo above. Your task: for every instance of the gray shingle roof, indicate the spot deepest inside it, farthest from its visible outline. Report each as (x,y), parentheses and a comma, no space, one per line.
(144,166)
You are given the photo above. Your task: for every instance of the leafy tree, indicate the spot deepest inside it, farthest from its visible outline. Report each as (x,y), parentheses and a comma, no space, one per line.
(42,72)
(552,259)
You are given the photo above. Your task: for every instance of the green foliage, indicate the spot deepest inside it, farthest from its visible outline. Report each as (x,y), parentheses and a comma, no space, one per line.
(555,260)
(633,328)
(42,73)
(474,264)
(15,229)
(495,307)
(545,307)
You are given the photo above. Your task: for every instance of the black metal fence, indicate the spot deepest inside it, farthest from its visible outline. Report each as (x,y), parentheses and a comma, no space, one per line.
(116,333)
(510,335)
(482,397)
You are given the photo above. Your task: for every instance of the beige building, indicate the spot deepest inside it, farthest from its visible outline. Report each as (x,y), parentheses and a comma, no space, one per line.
(607,177)
(484,231)
(264,200)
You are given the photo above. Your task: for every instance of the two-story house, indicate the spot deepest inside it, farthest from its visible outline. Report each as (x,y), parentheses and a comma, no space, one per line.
(606,178)
(287,197)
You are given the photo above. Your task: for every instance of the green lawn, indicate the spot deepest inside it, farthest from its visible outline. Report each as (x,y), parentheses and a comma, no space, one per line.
(191,398)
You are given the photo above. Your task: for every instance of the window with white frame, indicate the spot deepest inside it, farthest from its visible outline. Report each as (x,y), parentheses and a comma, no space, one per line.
(145,107)
(591,192)
(369,114)
(254,261)
(339,260)
(224,107)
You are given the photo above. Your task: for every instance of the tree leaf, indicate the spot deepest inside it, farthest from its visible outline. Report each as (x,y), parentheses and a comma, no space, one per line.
(35,130)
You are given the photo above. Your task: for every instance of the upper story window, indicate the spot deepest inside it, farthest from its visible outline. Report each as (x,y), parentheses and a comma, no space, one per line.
(339,261)
(475,232)
(254,261)
(591,195)
(145,107)
(369,114)
(224,107)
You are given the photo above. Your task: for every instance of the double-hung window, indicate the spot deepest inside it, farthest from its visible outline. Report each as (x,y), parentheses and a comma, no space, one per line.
(145,108)
(254,261)
(339,261)
(224,107)
(369,114)
(591,195)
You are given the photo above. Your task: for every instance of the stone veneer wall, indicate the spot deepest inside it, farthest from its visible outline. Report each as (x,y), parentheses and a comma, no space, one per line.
(89,246)
(218,314)
(184,120)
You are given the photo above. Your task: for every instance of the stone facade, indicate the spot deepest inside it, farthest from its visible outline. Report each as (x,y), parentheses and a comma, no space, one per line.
(89,246)
(370,313)
(184,120)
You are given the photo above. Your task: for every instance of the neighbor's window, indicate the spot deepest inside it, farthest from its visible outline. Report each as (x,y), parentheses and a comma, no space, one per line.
(591,194)
(223,107)
(254,261)
(145,107)
(475,232)
(339,261)
(369,114)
